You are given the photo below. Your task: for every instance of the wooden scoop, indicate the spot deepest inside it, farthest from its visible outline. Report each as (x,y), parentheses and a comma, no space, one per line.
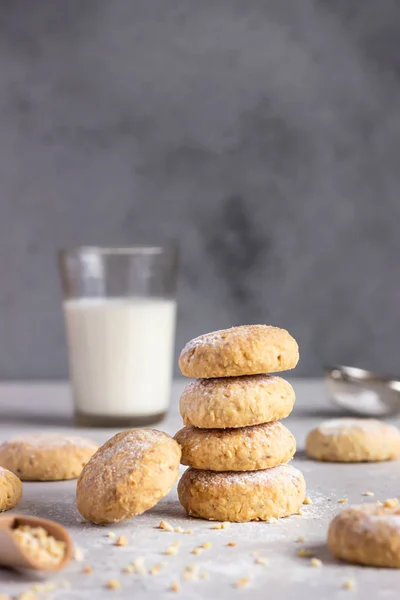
(12,554)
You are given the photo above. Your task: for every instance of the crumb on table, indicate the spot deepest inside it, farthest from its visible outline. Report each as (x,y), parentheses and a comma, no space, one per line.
(113,584)
(176,586)
(316,562)
(242,582)
(122,540)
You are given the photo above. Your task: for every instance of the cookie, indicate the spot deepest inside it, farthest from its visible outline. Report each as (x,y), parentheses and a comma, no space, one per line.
(240,449)
(245,350)
(246,496)
(353,440)
(47,456)
(10,490)
(236,401)
(366,535)
(128,475)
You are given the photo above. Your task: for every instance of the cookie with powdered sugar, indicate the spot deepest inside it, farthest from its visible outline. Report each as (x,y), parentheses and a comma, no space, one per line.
(353,440)
(236,401)
(240,449)
(239,497)
(46,456)
(245,350)
(128,475)
(367,534)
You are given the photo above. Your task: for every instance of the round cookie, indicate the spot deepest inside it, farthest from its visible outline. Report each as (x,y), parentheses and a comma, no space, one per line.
(47,456)
(10,490)
(236,401)
(240,449)
(245,350)
(246,496)
(367,535)
(128,475)
(353,440)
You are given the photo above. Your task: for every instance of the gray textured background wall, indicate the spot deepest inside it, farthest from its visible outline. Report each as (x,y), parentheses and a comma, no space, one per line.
(264,134)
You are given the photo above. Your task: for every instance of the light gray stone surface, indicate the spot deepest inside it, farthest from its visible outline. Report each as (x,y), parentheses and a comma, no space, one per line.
(287,576)
(264,136)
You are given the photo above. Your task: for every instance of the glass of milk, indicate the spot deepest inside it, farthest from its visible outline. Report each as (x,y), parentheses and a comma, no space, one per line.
(120,307)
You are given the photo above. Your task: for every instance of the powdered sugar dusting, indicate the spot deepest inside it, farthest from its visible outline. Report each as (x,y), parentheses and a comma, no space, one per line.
(281,473)
(216,338)
(392,520)
(52,440)
(134,446)
(122,453)
(210,339)
(370,517)
(336,426)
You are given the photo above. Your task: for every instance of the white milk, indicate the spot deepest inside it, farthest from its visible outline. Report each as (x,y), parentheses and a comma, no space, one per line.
(120,353)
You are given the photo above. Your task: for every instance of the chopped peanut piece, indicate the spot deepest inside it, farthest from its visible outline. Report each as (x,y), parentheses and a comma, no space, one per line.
(366,494)
(166,526)
(191,573)
(307,500)
(178,529)
(87,569)
(173,548)
(155,570)
(343,500)
(122,540)
(301,539)
(111,535)
(188,531)
(261,561)
(304,553)
(391,503)
(128,569)
(197,550)
(231,544)
(223,525)
(349,584)
(316,562)
(39,544)
(206,545)
(242,582)
(176,586)
(113,584)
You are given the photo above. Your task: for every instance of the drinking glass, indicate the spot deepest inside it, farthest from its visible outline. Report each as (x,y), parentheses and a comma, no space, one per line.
(120,308)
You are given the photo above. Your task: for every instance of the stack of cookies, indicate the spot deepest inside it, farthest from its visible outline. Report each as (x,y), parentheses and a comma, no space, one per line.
(232,441)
